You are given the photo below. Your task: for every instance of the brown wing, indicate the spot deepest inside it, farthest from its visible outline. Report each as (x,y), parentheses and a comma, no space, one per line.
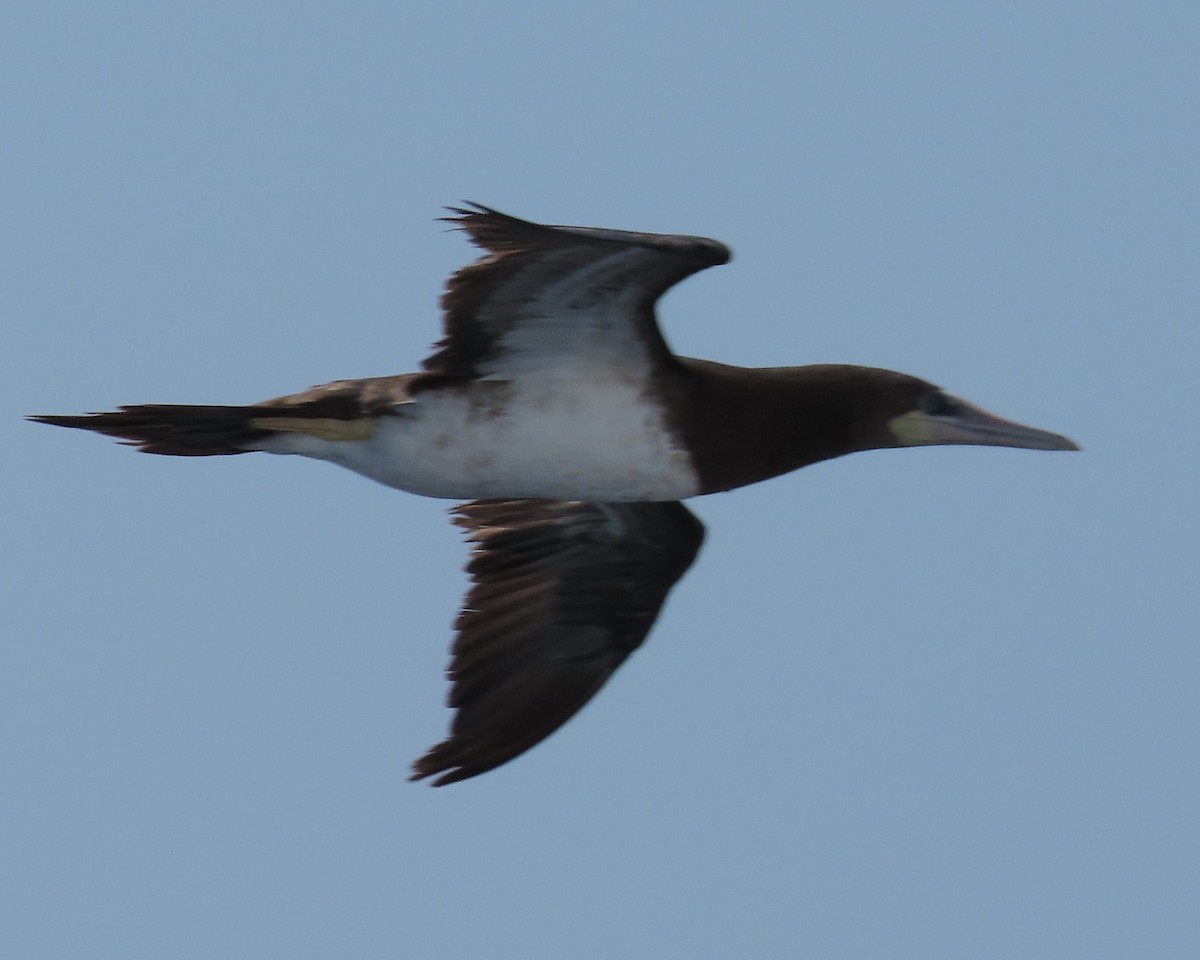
(562,593)
(554,298)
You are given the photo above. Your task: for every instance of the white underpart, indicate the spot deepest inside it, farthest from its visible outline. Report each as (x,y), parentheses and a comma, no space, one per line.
(560,410)
(575,438)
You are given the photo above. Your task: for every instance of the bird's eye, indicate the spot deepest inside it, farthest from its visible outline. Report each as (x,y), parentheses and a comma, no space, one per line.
(937,404)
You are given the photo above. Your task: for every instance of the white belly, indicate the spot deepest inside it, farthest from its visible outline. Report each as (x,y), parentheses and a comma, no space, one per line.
(554,438)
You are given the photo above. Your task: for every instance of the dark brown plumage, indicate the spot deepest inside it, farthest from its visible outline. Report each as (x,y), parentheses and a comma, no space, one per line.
(524,258)
(183,430)
(554,404)
(562,592)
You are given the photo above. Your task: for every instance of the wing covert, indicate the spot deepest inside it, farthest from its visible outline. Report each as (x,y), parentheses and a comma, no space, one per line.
(551,298)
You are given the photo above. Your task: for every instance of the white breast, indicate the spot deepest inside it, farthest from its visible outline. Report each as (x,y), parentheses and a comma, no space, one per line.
(563,439)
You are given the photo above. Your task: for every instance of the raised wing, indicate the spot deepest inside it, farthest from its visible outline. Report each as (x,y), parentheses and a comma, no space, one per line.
(562,593)
(548,298)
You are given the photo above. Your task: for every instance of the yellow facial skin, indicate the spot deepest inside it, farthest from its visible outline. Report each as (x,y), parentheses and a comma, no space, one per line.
(913,429)
(965,424)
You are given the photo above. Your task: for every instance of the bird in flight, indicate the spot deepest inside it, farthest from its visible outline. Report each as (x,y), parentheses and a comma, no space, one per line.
(554,408)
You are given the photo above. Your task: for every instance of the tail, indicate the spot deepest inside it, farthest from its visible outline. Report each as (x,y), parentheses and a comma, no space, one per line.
(342,410)
(176,430)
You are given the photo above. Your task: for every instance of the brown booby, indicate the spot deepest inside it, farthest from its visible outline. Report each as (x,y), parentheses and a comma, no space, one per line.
(554,405)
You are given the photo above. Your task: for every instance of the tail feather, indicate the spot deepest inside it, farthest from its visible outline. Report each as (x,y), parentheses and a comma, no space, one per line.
(174,429)
(342,410)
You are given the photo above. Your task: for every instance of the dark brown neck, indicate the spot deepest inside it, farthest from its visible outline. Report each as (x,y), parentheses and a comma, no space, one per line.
(748,424)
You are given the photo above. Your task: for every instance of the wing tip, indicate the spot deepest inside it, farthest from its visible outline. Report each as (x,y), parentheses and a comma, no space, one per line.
(438,762)
(459,217)
(490,229)
(493,230)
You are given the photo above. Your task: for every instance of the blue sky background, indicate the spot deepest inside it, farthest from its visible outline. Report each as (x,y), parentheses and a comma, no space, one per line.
(918,704)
